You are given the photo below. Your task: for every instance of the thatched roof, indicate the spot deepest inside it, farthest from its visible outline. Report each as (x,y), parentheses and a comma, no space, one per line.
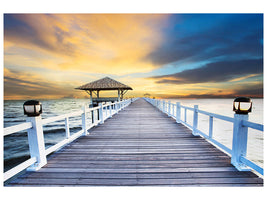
(104,84)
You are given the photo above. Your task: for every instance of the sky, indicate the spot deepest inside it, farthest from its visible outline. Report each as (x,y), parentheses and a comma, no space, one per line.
(46,56)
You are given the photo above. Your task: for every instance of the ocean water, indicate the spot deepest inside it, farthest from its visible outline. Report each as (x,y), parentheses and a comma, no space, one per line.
(16,148)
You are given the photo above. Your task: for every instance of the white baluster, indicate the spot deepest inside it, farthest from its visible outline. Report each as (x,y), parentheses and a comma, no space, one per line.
(36,143)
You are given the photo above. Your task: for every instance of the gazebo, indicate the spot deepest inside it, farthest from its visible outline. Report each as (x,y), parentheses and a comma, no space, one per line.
(104,84)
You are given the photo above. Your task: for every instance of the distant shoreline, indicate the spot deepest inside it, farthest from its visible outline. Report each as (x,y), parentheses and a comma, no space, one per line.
(155,97)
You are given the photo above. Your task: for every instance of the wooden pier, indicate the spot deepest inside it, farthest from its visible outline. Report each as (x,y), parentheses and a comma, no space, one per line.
(139,146)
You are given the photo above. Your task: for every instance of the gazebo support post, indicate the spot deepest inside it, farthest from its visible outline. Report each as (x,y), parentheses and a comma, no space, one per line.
(91,99)
(119,95)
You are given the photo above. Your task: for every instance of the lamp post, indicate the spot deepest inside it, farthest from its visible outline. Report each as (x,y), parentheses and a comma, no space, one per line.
(242,106)
(33,110)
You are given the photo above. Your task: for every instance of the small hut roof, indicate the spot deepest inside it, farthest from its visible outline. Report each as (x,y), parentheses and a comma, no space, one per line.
(104,84)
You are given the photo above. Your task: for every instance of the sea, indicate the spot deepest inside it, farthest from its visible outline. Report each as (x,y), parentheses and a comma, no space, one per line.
(16,148)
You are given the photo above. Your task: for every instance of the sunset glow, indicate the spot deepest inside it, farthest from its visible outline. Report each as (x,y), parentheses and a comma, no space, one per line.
(167,56)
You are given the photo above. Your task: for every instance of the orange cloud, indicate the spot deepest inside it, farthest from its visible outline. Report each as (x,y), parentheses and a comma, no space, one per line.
(95,43)
(25,85)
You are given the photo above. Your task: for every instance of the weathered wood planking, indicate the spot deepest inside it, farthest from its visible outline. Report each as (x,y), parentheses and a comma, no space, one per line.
(140,146)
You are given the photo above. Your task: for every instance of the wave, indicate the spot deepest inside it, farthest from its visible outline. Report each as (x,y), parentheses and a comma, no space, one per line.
(57,130)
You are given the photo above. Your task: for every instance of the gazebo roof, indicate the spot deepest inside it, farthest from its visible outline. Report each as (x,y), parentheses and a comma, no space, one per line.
(104,84)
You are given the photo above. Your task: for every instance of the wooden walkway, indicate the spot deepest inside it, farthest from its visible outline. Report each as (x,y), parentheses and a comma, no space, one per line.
(140,146)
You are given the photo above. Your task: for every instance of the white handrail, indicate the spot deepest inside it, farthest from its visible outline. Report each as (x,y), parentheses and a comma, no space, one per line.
(17,128)
(61,117)
(252,125)
(15,170)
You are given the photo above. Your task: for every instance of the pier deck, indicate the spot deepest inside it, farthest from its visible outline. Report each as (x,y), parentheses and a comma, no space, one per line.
(139,146)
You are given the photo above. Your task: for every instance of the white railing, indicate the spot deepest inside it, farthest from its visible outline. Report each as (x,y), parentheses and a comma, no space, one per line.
(240,131)
(34,127)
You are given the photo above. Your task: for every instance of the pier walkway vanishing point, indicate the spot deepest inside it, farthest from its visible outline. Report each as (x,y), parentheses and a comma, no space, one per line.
(139,146)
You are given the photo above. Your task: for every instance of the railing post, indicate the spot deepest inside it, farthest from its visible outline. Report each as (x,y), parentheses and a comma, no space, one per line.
(178,112)
(123,104)
(110,109)
(93,116)
(210,127)
(101,117)
(173,110)
(36,143)
(163,106)
(239,145)
(195,121)
(84,125)
(169,108)
(67,127)
(185,113)
(116,107)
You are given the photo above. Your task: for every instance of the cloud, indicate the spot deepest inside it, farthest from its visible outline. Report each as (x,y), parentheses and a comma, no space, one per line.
(252,91)
(221,35)
(214,72)
(96,43)
(25,85)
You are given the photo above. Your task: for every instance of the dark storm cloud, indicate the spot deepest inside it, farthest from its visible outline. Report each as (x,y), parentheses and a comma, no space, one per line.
(202,37)
(214,72)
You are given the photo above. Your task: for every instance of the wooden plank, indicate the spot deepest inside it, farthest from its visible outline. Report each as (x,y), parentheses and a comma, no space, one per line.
(202,185)
(125,162)
(138,170)
(147,181)
(137,158)
(180,175)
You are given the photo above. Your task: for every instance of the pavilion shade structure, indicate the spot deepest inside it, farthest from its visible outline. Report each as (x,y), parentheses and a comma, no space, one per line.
(104,84)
